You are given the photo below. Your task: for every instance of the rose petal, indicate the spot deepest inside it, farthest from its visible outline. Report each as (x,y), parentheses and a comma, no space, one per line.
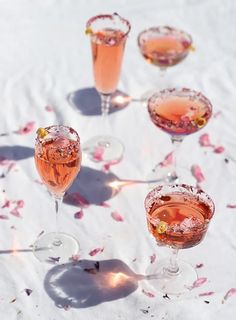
(75,257)
(79,214)
(168,160)
(197,173)
(98,153)
(3,217)
(204,140)
(116,216)
(153,258)
(204,294)
(105,205)
(198,283)
(28,128)
(76,199)
(95,251)
(232,206)
(107,165)
(11,166)
(148,294)
(20,203)
(230,293)
(6,204)
(219,149)
(15,212)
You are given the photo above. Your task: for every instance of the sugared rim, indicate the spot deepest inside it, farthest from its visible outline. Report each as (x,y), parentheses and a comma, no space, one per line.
(163,190)
(180,92)
(166,30)
(110,16)
(50,128)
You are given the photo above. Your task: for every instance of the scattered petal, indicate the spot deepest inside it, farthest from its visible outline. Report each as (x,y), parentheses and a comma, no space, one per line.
(200,265)
(95,251)
(204,294)
(230,293)
(231,206)
(28,128)
(20,203)
(107,165)
(105,205)
(197,173)
(204,140)
(117,217)
(79,214)
(148,294)
(75,257)
(76,199)
(153,258)
(28,292)
(49,108)
(199,282)
(168,160)
(15,212)
(219,149)
(6,204)
(3,217)
(11,166)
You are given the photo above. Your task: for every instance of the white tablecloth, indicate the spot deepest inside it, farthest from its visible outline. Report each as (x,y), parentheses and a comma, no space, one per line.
(45,61)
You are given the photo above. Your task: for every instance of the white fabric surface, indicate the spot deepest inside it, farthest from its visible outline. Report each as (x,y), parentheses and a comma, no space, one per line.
(44,58)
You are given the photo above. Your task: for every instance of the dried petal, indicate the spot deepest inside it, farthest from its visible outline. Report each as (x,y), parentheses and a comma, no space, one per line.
(98,153)
(6,204)
(200,265)
(168,160)
(230,293)
(153,258)
(3,217)
(75,257)
(107,165)
(105,205)
(95,251)
(20,203)
(219,149)
(197,173)
(204,140)
(204,294)
(198,283)
(231,206)
(76,199)
(15,212)
(117,217)
(79,214)
(148,294)
(28,128)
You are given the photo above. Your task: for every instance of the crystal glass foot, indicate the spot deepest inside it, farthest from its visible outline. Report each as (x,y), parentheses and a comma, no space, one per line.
(57,159)
(104,149)
(178,217)
(55,247)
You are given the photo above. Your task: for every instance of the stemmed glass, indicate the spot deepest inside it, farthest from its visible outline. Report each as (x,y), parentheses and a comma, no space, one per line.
(164,46)
(58,160)
(178,112)
(108,34)
(178,216)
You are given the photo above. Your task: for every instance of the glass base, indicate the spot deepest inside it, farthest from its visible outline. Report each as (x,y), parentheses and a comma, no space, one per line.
(104,149)
(160,279)
(55,247)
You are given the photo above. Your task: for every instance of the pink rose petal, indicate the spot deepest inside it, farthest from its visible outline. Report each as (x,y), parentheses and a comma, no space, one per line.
(148,294)
(204,140)
(3,217)
(107,165)
(105,205)
(49,108)
(219,149)
(95,251)
(28,128)
(232,206)
(168,160)
(117,217)
(11,166)
(75,257)
(204,294)
(20,203)
(230,293)
(6,204)
(15,212)
(98,153)
(76,199)
(197,173)
(199,282)
(153,258)
(79,214)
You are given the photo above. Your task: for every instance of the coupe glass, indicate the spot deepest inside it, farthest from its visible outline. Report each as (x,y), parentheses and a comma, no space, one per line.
(178,216)
(108,34)
(178,112)
(58,160)
(164,47)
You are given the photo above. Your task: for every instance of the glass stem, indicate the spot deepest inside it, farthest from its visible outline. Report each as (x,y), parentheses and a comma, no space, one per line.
(176,141)
(58,202)
(105,104)
(173,268)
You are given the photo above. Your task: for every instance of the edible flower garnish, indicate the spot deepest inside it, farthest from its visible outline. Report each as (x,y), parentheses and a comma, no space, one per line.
(200,122)
(42,132)
(88,31)
(161,227)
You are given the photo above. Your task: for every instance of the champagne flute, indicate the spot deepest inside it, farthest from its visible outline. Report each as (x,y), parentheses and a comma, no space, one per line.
(178,112)
(178,216)
(58,160)
(108,34)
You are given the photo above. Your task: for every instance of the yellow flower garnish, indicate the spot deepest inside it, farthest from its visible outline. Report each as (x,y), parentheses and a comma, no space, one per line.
(200,122)
(161,227)
(41,132)
(88,31)
(192,48)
